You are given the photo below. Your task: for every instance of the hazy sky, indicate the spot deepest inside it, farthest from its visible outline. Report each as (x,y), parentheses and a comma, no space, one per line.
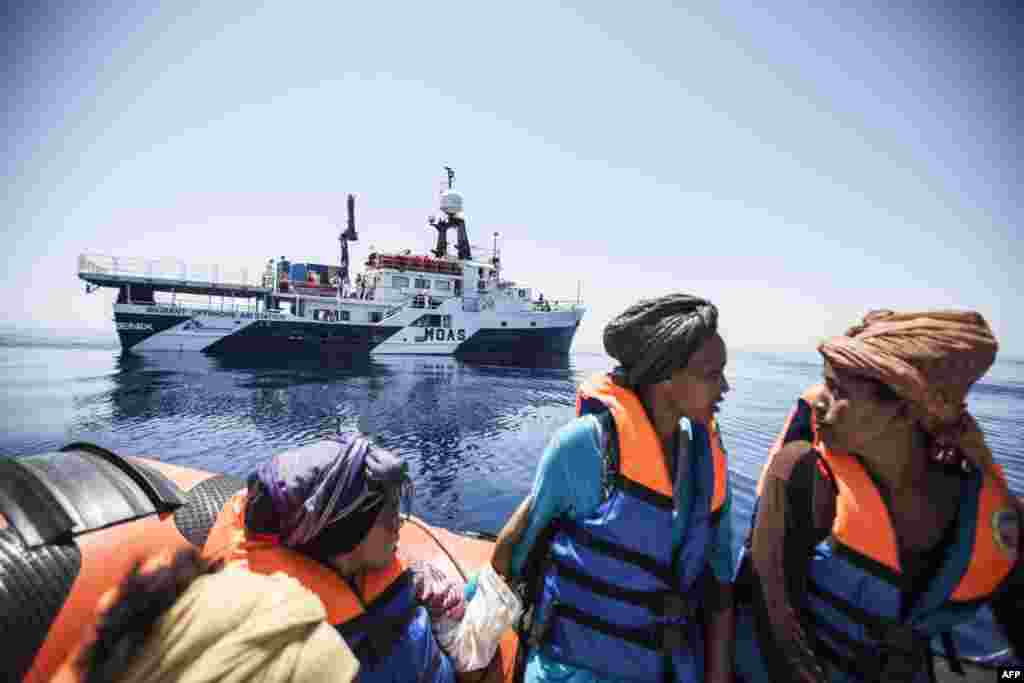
(798,166)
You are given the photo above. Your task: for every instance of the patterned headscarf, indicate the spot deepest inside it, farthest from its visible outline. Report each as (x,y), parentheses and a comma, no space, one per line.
(931,359)
(317,486)
(654,337)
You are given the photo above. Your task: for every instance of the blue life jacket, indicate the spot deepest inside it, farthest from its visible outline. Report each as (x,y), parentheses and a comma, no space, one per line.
(857,611)
(615,598)
(393,639)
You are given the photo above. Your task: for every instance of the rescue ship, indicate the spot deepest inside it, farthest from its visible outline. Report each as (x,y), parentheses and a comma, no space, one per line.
(441,303)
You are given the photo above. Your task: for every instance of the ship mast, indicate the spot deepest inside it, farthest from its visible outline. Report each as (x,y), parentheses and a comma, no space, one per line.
(348,235)
(451,206)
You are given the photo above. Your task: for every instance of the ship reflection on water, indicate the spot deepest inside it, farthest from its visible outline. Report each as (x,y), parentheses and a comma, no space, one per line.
(472,431)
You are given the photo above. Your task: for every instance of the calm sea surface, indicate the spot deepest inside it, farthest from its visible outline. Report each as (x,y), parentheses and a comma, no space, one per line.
(472,433)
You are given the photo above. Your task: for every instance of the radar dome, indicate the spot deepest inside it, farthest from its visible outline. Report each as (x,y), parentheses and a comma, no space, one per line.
(451,202)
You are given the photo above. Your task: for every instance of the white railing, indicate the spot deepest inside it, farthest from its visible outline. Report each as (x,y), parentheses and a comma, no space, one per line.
(555,305)
(169,269)
(396,309)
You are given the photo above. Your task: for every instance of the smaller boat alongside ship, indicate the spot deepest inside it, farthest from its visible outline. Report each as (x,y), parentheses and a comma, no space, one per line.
(440,303)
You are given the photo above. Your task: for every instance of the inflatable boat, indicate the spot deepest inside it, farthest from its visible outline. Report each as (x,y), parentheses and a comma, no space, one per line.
(74,522)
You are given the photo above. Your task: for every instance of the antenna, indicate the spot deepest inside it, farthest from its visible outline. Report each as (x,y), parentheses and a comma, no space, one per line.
(451,176)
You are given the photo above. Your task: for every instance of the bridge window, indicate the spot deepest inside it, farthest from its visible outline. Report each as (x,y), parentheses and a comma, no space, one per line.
(443,284)
(422,283)
(376,316)
(399,281)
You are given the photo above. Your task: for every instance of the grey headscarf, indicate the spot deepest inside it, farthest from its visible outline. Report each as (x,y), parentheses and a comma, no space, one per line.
(654,337)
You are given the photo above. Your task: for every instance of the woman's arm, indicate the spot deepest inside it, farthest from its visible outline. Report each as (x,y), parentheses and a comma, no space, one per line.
(790,509)
(719,631)
(509,537)
(471,634)
(568,482)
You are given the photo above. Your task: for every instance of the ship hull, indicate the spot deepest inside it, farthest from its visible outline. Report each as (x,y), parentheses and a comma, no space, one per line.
(162,328)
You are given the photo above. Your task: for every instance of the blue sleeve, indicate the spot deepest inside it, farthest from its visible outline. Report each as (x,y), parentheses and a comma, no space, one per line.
(568,482)
(721,555)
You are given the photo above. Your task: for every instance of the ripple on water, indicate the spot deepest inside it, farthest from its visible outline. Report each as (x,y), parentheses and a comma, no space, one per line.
(472,433)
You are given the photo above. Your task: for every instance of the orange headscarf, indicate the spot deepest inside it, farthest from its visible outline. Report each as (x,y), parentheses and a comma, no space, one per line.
(931,359)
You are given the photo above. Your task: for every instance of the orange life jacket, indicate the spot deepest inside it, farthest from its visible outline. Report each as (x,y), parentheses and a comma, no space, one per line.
(261,553)
(637,436)
(855,591)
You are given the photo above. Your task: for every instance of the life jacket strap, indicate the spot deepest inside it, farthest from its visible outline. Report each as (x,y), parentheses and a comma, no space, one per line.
(662,638)
(649,496)
(668,604)
(584,537)
(897,651)
(949,645)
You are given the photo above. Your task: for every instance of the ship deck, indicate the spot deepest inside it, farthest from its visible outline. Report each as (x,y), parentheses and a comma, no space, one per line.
(169,276)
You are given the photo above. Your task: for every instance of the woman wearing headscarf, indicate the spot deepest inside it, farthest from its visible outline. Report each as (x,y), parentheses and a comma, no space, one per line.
(329,515)
(182,620)
(626,553)
(882,521)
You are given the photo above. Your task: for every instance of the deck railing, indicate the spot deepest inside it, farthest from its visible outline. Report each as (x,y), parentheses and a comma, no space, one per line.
(555,305)
(169,269)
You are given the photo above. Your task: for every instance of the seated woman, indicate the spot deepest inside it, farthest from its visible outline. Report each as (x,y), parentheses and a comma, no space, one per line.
(183,621)
(627,550)
(329,515)
(882,521)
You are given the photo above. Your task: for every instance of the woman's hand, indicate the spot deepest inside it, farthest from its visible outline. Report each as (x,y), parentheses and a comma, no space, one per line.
(511,533)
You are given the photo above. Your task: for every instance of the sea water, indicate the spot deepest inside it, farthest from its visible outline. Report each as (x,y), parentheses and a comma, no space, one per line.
(471,432)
